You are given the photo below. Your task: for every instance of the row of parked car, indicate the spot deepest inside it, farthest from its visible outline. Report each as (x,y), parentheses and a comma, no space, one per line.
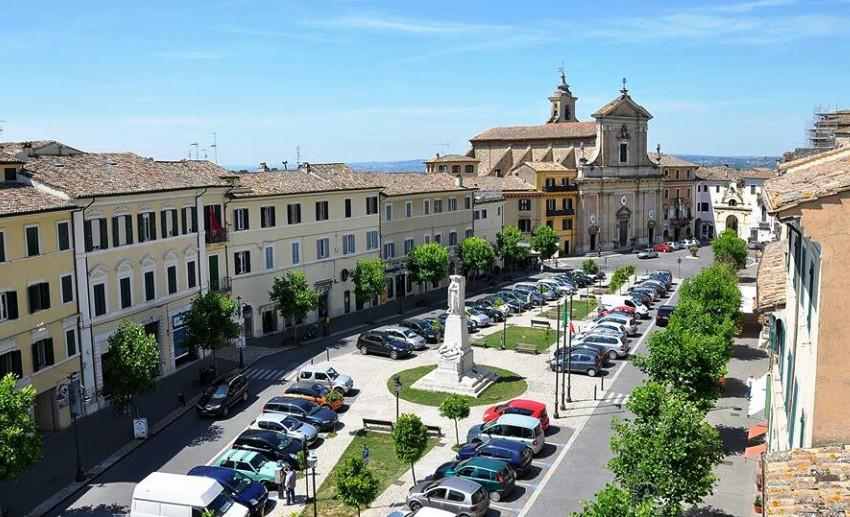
(666,247)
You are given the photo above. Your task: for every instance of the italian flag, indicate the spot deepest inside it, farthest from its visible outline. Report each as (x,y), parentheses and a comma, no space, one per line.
(567,321)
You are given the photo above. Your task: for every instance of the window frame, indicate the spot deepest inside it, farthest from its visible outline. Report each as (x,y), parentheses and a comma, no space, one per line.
(70,244)
(267,255)
(149,297)
(323,244)
(62,293)
(295,252)
(95,284)
(241,262)
(369,240)
(129,278)
(388,211)
(323,210)
(349,248)
(293,213)
(191,279)
(27,228)
(168,269)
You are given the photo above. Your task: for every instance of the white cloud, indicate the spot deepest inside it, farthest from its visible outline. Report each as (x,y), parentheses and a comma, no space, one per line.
(191,55)
(403,25)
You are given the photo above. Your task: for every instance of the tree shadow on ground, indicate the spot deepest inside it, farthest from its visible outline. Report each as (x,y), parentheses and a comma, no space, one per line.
(744,352)
(734,439)
(708,511)
(212,434)
(101,510)
(734,387)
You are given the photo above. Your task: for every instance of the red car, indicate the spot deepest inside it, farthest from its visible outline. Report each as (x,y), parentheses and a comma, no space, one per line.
(519,407)
(624,309)
(663,246)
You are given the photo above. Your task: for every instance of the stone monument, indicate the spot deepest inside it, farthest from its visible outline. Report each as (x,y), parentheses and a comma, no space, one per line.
(456,370)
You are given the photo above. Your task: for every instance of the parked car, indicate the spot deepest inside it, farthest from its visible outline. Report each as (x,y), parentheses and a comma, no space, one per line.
(287,424)
(662,317)
(407,335)
(582,360)
(225,392)
(471,326)
(491,312)
(379,342)
(626,321)
(662,276)
(320,417)
(495,303)
(519,407)
(509,296)
(612,326)
(496,476)
(250,463)
(615,346)
(422,512)
(564,281)
(516,454)
(644,296)
(423,328)
(271,444)
(457,495)
(478,317)
(687,243)
(314,392)
(525,429)
(325,373)
(629,305)
(244,490)
(647,253)
(561,288)
(163,494)
(664,247)
(532,295)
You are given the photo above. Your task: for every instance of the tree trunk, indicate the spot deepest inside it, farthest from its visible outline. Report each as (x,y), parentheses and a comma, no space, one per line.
(457,435)
(413,473)
(295,335)
(358,510)
(214,365)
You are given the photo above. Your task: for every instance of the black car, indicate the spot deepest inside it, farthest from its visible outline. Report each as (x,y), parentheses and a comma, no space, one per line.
(273,445)
(470,326)
(510,297)
(377,342)
(493,301)
(491,312)
(321,417)
(583,361)
(422,328)
(662,317)
(224,393)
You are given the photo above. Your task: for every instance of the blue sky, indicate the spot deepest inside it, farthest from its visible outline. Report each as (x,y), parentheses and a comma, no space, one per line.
(350,81)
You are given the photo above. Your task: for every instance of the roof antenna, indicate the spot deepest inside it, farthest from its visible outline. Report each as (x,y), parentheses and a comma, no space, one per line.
(298,156)
(214,147)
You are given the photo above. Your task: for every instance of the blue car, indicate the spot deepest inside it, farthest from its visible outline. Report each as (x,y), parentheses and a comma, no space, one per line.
(516,454)
(241,488)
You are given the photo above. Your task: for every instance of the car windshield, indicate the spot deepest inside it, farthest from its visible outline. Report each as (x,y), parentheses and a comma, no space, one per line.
(408,333)
(256,461)
(424,325)
(220,392)
(239,481)
(331,373)
(291,423)
(284,442)
(220,504)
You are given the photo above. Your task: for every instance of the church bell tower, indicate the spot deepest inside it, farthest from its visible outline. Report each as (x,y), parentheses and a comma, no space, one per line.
(563,107)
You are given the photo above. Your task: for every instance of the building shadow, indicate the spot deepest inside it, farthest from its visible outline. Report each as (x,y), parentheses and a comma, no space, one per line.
(211,434)
(744,352)
(101,510)
(734,387)
(708,511)
(734,439)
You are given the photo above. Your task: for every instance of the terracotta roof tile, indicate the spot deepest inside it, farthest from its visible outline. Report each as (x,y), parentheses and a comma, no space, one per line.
(570,130)
(614,104)
(452,158)
(17,198)
(814,157)
(668,160)
(286,182)
(808,184)
(505,184)
(392,183)
(546,166)
(723,173)
(103,174)
(8,158)
(808,482)
(770,285)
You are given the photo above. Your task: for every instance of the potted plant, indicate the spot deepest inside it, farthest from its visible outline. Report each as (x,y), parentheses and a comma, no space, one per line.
(694,250)
(333,397)
(757,504)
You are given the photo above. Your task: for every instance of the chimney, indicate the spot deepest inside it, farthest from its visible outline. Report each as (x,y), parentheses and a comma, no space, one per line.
(438,156)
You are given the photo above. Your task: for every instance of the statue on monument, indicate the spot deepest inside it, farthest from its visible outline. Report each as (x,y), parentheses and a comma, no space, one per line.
(455,303)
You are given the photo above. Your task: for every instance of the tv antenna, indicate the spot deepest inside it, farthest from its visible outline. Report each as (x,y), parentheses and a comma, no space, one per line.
(443,144)
(205,153)
(214,147)
(195,144)
(298,156)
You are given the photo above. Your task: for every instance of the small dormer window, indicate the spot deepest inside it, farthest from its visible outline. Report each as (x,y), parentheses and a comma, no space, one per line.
(624,152)
(10,174)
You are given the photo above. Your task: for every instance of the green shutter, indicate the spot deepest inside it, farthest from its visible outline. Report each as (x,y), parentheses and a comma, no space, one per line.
(116,240)
(48,351)
(104,235)
(152,219)
(128,221)
(141,227)
(12,304)
(163,218)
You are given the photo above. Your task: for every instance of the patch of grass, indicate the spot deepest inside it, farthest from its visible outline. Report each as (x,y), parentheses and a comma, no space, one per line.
(509,385)
(382,461)
(581,308)
(542,338)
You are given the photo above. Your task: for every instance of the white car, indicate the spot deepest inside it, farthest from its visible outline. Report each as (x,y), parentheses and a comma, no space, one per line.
(607,326)
(325,374)
(687,243)
(288,425)
(622,320)
(408,336)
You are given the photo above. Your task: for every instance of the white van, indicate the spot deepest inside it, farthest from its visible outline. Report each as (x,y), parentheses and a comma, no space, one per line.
(609,301)
(176,495)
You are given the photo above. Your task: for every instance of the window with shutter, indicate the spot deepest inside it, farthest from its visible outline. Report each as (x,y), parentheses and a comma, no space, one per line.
(64,235)
(150,286)
(33,247)
(126,292)
(172,279)
(99,292)
(71,342)
(10,362)
(67,288)
(191,281)
(2,247)
(39,297)
(104,235)
(42,354)
(348,208)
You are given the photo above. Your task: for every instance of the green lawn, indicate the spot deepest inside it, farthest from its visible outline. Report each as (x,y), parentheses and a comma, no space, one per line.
(581,308)
(516,334)
(508,386)
(382,461)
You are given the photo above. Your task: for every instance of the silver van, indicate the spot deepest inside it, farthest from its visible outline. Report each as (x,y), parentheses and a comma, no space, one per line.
(519,428)
(457,495)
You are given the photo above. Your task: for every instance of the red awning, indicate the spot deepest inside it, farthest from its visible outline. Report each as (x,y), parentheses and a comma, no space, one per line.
(757,430)
(755,451)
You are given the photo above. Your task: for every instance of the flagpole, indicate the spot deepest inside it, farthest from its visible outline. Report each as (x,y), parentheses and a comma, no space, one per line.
(567,351)
(570,357)
(557,358)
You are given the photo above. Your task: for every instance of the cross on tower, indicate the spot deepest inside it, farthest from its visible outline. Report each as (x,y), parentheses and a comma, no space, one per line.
(563,74)
(624,90)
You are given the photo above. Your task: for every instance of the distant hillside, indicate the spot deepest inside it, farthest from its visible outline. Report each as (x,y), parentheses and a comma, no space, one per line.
(397,166)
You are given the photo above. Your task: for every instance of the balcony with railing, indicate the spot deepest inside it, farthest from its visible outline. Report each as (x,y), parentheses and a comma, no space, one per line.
(220,285)
(553,212)
(215,235)
(572,187)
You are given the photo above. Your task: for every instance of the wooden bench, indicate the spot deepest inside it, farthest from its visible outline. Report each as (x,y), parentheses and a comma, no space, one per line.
(526,348)
(373,422)
(435,430)
(540,323)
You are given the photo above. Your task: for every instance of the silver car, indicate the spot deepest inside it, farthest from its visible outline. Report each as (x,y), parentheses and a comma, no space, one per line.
(457,495)
(622,320)
(408,336)
(289,425)
(613,345)
(479,318)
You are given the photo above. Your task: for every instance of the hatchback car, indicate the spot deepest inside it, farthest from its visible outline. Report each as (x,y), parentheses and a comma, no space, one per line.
(581,360)
(326,374)
(662,317)
(422,328)
(496,476)
(615,345)
(519,407)
(250,463)
(647,253)
(664,247)
(271,444)
(460,496)
(288,425)
(320,417)
(381,343)
(239,486)
(314,392)
(521,428)
(407,335)
(622,319)
(516,454)
(225,392)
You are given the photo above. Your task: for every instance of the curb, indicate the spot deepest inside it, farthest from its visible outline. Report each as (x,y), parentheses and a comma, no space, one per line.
(125,451)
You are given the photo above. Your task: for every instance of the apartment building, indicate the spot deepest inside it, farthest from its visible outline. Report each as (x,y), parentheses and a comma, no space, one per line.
(281,221)
(731,199)
(489,214)
(39,338)
(454,164)
(557,205)
(679,183)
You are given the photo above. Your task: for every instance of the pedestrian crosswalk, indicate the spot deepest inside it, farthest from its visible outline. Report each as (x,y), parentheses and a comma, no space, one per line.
(615,399)
(264,374)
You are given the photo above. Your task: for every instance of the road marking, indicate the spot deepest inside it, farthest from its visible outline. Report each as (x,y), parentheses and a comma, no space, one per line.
(527,485)
(549,473)
(541,463)
(503,508)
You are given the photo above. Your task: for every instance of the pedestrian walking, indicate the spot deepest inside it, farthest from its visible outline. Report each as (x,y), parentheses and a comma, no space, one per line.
(750,387)
(289,484)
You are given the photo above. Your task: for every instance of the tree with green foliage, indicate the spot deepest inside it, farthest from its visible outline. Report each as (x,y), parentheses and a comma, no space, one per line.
(619,277)
(354,483)
(590,267)
(544,240)
(294,297)
(614,501)
(508,248)
(476,255)
(410,439)
(455,407)
(211,323)
(20,441)
(668,453)
(716,289)
(428,263)
(730,250)
(370,279)
(133,365)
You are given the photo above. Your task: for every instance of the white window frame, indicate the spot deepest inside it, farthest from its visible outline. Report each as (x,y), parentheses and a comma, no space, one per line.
(169,222)
(452,204)
(123,239)
(4,308)
(239,219)
(176,277)
(265,216)
(408,209)
(326,211)
(187,212)
(266,256)
(426,207)
(376,202)
(373,240)
(467,202)
(146,226)
(426,239)
(349,244)
(295,250)
(453,231)
(27,244)
(438,237)
(194,264)
(620,152)
(388,212)
(412,242)
(323,244)
(65,329)
(122,274)
(438,206)
(62,291)
(389,245)
(70,236)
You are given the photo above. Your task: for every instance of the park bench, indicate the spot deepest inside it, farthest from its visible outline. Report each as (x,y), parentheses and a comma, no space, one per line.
(541,323)
(526,348)
(374,422)
(435,430)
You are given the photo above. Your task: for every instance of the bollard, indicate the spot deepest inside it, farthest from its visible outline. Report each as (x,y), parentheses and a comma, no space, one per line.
(601,383)
(328,354)
(594,393)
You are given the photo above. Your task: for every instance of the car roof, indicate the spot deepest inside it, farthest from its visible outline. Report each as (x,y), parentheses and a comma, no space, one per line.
(319,367)
(238,455)
(504,443)
(520,420)
(464,485)
(292,400)
(259,433)
(211,471)
(525,403)
(485,463)
(177,488)
(412,320)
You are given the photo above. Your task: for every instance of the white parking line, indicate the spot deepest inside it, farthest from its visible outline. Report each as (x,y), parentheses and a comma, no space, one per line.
(527,485)
(503,508)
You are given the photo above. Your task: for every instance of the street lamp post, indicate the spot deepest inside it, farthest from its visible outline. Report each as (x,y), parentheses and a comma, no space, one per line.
(555,365)
(75,404)
(241,332)
(679,262)
(397,385)
(312,462)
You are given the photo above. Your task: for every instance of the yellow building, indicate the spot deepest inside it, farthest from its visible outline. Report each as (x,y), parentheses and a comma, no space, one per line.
(39,341)
(559,200)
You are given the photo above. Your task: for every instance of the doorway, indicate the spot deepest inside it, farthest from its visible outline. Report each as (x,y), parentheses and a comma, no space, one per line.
(732,223)
(399,286)
(213,261)
(248,321)
(651,235)
(623,232)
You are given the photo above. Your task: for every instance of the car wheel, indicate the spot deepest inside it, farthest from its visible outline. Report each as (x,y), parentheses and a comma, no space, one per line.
(363,350)
(591,372)
(495,496)
(339,390)
(612,355)
(245,397)
(393,355)
(414,506)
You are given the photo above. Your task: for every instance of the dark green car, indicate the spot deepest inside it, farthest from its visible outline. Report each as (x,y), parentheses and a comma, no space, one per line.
(496,476)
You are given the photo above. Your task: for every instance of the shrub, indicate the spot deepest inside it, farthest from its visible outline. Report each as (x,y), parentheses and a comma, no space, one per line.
(620,277)
(589,266)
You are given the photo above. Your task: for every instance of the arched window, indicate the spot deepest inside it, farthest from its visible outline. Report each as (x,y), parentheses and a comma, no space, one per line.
(732,202)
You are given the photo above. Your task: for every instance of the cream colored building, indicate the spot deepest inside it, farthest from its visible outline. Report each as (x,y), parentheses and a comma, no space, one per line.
(489,213)
(454,164)
(39,339)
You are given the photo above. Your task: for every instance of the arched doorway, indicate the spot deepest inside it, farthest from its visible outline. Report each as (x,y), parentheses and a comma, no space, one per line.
(698,228)
(248,320)
(732,223)
(623,216)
